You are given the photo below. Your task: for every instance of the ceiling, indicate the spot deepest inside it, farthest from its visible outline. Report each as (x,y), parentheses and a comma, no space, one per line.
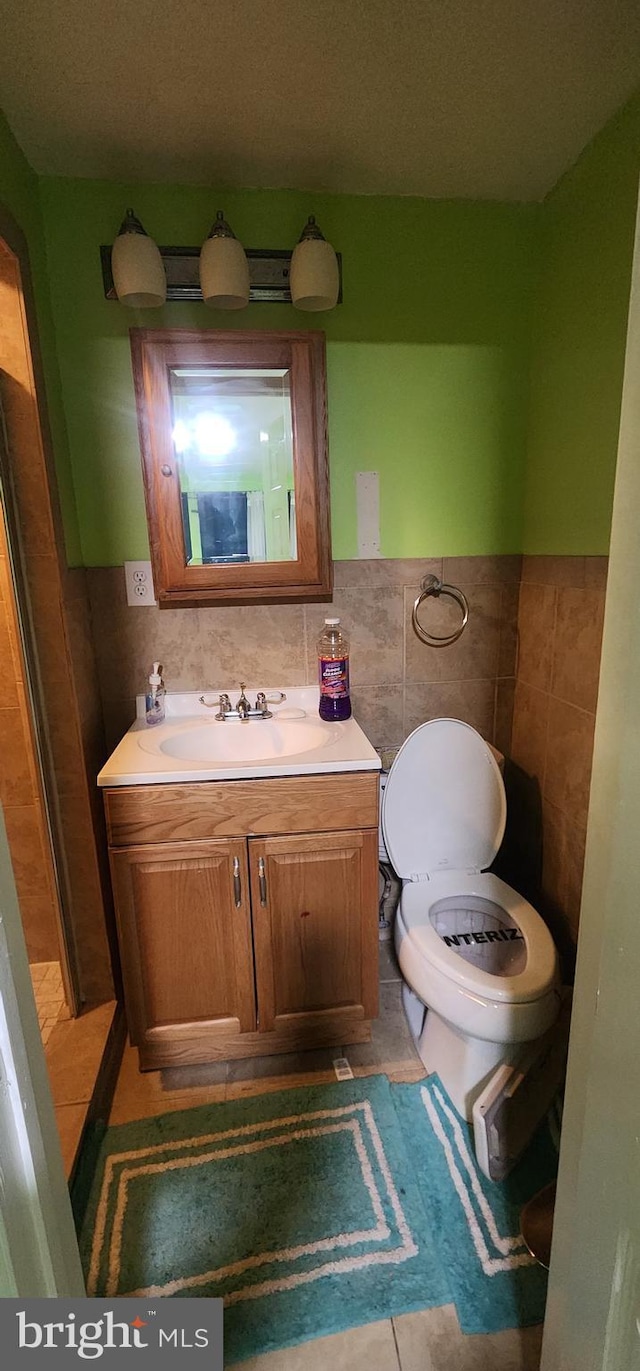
(488,99)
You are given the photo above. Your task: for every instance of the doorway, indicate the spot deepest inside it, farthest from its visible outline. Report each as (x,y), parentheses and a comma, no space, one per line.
(26,791)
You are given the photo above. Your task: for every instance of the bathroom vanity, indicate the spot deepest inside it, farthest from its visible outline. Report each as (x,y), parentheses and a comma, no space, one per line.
(246,887)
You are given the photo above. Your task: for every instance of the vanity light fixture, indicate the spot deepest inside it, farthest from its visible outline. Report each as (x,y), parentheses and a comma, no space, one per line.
(138,270)
(138,273)
(224,269)
(315,280)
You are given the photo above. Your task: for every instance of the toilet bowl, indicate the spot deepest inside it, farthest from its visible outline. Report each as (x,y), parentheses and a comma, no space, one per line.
(479,963)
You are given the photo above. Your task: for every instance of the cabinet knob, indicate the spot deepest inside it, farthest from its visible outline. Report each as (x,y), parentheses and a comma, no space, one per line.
(166,470)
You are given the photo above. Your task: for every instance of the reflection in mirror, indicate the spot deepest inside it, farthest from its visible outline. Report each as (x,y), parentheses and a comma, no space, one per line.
(233,443)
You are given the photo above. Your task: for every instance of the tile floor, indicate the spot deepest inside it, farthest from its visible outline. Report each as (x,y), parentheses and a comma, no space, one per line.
(430,1340)
(48,989)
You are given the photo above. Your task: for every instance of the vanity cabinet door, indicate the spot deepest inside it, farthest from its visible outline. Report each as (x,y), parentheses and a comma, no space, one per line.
(184,924)
(315,921)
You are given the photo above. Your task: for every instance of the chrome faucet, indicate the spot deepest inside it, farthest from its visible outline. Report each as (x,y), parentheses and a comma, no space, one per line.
(243,710)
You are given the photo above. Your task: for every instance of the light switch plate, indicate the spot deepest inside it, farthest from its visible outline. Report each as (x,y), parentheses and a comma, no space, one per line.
(139,583)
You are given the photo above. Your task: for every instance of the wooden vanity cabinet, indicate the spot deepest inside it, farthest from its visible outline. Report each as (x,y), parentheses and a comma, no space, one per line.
(247,914)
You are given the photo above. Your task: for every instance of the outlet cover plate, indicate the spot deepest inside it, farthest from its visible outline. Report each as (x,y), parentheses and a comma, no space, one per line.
(139,583)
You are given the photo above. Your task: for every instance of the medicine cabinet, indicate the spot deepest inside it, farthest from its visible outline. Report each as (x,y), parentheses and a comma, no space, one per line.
(234,457)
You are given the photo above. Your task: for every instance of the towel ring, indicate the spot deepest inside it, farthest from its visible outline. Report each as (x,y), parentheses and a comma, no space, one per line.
(432,586)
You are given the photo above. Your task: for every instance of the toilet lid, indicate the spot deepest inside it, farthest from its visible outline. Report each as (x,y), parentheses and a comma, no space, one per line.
(444,804)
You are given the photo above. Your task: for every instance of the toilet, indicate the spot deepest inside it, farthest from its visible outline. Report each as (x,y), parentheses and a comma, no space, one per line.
(479,964)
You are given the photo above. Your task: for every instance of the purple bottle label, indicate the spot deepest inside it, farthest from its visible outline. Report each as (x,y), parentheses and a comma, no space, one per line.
(333,673)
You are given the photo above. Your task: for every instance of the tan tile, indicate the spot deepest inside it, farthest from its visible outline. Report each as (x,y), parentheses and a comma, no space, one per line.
(554,570)
(569,758)
(283,1064)
(385,571)
(372,618)
(66,744)
(118,717)
(370,1348)
(87,900)
(575,843)
(475,654)
(16,783)
(596,570)
(268,1085)
(388,963)
(135,636)
(471,701)
(262,645)
(39,923)
(75,1052)
(10,698)
(530,725)
(431,1340)
(509,607)
(28,858)
(503,717)
(200,1076)
(70,1119)
(143,1094)
(577,647)
(553,857)
(536,626)
(391,1048)
(494,570)
(44,589)
(379,712)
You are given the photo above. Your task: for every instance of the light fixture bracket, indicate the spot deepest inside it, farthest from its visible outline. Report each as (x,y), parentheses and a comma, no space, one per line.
(268,273)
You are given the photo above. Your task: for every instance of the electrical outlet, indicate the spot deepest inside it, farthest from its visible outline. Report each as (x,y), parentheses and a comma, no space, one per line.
(139,583)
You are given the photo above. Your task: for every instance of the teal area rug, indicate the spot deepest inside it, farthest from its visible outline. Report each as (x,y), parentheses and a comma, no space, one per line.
(495,1282)
(300,1208)
(311,1211)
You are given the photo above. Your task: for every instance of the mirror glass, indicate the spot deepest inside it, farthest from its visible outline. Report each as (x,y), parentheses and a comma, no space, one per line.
(233,443)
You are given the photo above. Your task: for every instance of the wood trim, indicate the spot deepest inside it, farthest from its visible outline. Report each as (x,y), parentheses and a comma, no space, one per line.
(85,918)
(216,809)
(310,576)
(189,1050)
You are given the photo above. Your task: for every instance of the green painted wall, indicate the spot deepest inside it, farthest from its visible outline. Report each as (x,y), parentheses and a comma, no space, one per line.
(579,336)
(19,195)
(427,356)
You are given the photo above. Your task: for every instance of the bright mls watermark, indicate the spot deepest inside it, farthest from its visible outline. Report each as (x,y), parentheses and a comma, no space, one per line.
(145,1332)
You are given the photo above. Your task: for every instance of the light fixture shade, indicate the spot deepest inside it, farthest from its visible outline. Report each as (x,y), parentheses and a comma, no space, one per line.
(314,275)
(137,267)
(224,269)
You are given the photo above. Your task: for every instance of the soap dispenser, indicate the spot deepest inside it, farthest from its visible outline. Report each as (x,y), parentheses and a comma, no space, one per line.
(154,698)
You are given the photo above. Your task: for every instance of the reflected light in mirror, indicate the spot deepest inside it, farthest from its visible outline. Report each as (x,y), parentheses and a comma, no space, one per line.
(210,433)
(214,435)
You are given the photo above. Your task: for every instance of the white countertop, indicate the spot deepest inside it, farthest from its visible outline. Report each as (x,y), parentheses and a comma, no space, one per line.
(141,757)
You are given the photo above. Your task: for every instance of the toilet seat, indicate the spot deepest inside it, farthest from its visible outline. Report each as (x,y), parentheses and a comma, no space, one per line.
(444,806)
(539,972)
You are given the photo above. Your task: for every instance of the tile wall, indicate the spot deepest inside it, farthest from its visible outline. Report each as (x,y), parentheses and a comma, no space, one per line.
(560,616)
(397,682)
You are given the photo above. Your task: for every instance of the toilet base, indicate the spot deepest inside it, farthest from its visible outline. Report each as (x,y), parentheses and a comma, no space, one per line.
(464,1065)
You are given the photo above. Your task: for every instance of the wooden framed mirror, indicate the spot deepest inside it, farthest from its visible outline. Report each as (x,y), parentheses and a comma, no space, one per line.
(234,457)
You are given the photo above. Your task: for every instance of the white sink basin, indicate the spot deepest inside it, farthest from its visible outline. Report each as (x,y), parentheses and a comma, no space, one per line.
(234,743)
(191,745)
